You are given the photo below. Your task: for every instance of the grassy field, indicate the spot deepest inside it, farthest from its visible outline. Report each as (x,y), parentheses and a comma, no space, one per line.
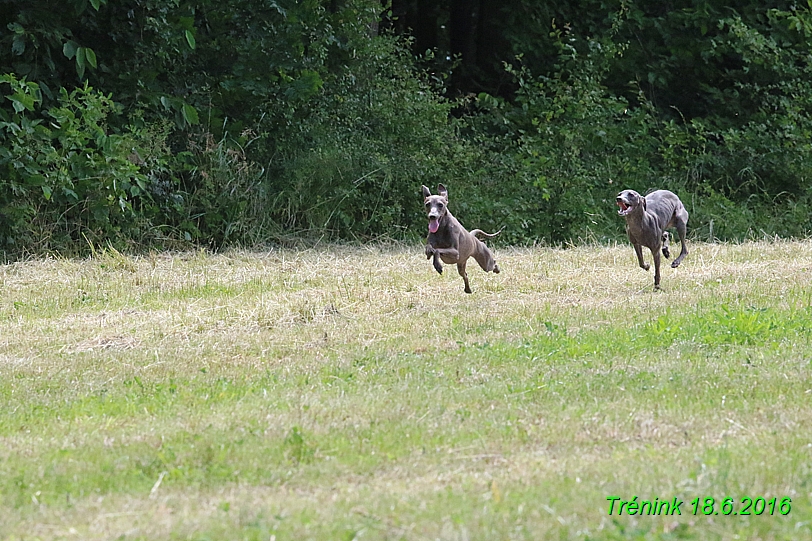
(353,393)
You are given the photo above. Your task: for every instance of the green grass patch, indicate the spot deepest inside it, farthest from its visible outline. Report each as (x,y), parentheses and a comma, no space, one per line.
(297,395)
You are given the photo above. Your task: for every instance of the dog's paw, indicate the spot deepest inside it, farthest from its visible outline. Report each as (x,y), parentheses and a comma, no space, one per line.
(667,253)
(645,266)
(496,269)
(675,264)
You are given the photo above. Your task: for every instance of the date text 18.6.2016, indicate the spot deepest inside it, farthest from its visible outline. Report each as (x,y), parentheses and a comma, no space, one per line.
(701,506)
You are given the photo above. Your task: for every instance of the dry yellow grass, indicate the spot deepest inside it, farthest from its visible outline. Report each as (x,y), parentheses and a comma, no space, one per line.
(353,392)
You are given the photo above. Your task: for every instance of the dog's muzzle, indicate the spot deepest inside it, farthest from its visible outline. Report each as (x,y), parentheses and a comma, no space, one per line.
(624,207)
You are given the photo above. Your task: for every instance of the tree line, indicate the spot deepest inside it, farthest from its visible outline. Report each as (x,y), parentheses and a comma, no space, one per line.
(171,122)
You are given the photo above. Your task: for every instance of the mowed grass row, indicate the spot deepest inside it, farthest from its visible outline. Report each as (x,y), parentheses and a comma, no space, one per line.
(345,393)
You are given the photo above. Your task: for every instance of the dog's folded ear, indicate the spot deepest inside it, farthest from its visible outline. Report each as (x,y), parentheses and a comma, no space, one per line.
(442,191)
(644,202)
(426,192)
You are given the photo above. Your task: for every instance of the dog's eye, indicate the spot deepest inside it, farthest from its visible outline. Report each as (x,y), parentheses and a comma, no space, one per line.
(439,205)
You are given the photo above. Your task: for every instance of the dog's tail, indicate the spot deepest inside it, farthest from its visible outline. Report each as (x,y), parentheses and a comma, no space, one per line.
(489,235)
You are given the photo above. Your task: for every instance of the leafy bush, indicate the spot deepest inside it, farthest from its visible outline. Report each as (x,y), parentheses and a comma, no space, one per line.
(575,147)
(350,161)
(242,122)
(64,179)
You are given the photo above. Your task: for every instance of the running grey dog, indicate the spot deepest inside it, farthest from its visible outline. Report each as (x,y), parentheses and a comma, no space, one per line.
(647,219)
(448,240)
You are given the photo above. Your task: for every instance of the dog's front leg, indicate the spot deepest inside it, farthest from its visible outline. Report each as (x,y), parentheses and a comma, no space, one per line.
(638,249)
(437,265)
(656,255)
(432,252)
(464,274)
(447,255)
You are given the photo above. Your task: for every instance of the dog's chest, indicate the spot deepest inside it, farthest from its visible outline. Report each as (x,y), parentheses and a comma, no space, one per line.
(441,239)
(644,229)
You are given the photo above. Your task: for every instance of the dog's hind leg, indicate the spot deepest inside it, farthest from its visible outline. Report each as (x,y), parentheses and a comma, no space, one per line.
(682,227)
(485,258)
(666,238)
(461,270)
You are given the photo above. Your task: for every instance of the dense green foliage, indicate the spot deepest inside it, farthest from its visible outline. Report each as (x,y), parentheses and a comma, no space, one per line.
(170,121)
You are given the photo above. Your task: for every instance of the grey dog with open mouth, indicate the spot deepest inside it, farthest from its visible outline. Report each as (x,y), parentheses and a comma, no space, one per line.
(647,219)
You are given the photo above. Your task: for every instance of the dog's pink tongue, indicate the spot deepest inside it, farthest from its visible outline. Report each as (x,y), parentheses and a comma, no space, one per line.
(434,225)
